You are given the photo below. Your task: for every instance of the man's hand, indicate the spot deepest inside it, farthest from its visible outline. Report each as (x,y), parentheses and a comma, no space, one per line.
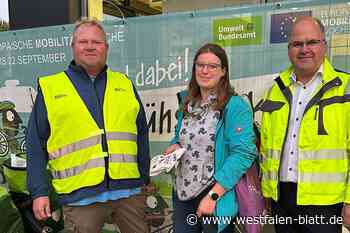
(206,206)
(267,206)
(41,208)
(346,214)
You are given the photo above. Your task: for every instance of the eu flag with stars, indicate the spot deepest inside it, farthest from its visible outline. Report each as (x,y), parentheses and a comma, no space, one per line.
(281,24)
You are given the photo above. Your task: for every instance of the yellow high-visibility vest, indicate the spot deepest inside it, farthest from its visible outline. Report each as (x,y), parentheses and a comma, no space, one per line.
(76,158)
(323,142)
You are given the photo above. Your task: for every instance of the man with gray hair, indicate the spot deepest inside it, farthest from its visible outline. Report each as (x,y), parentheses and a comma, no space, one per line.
(305,137)
(88,126)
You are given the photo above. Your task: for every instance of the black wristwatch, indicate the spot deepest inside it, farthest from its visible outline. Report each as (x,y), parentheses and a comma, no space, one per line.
(214,196)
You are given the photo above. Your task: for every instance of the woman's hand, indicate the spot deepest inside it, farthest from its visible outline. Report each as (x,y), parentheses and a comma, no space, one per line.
(171,148)
(206,206)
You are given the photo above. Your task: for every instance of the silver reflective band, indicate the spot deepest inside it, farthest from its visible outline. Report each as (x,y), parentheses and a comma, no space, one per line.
(347,90)
(94,163)
(122,158)
(334,154)
(313,178)
(273,154)
(328,177)
(270,175)
(121,136)
(92,141)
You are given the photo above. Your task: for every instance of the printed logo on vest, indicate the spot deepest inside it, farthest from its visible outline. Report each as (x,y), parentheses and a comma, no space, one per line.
(119,89)
(60,96)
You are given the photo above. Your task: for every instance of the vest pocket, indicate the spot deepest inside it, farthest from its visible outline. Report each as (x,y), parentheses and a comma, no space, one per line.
(270,106)
(122,167)
(328,103)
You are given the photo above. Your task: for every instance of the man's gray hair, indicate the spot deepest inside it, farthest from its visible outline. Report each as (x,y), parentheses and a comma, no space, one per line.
(89,22)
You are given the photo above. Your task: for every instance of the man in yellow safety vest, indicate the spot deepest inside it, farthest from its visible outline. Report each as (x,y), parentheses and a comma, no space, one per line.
(88,126)
(305,137)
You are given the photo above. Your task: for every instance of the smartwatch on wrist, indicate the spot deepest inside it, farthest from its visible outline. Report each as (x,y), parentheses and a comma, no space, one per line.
(212,195)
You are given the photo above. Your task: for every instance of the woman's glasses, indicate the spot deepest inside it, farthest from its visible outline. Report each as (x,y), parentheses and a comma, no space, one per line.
(209,67)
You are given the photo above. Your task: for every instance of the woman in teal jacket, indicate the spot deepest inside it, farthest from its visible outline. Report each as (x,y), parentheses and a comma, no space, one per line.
(216,128)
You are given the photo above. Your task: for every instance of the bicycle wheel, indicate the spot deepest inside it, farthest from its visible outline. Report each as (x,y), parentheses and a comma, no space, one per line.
(4,144)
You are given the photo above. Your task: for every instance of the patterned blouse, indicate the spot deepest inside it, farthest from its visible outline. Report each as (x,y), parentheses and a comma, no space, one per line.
(197,135)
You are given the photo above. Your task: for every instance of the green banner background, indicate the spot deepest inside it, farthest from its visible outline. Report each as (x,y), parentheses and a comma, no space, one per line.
(156,53)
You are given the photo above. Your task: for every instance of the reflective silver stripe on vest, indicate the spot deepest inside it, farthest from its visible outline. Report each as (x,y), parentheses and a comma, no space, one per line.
(347,90)
(92,141)
(94,163)
(122,158)
(270,175)
(121,136)
(328,177)
(313,178)
(334,154)
(273,154)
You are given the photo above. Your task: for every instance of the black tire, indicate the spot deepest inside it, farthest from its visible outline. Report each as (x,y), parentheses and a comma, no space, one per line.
(4,144)
(23,146)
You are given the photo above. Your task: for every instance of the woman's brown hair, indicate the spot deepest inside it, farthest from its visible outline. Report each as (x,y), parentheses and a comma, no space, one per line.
(226,90)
